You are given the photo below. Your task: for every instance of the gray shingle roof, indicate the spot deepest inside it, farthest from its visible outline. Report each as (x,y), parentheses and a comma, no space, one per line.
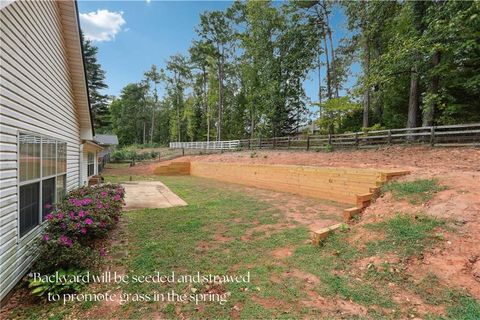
(106,139)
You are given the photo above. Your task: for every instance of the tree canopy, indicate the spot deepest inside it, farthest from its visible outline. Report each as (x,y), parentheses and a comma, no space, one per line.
(244,73)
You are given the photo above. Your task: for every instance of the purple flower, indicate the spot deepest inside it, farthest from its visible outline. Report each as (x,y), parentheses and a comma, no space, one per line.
(48,206)
(64,240)
(46,237)
(103,193)
(83,230)
(60,216)
(72,215)
(49,216)
(102,224)
(88,221)
(99,206)
(63,225)
(81,214)
(117,197)
(102,251)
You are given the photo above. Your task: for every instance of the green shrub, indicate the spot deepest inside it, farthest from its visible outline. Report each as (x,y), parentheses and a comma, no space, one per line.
(131,154)
(74,226)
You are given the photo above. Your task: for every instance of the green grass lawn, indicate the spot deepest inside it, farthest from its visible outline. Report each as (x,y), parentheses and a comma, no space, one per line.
(416,192)
(208,236)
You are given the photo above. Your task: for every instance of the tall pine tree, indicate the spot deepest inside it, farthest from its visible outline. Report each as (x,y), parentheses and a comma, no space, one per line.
(96,83)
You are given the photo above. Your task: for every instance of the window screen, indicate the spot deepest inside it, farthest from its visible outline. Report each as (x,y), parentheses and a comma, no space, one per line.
(29,157)
(42,177)
(48,196)
(48,157)
(29,206)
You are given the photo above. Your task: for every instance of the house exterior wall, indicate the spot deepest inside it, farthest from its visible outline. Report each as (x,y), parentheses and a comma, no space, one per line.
(36,97)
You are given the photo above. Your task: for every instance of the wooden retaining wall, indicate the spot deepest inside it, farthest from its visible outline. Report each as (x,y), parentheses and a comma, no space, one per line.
(344,185)
(173,169)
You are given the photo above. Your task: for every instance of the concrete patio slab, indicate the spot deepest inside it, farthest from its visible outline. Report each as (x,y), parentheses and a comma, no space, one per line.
(150,194)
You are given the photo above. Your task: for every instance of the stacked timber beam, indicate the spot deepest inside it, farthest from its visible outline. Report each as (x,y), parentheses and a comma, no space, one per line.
(348,186)
(344,185)
(173,169)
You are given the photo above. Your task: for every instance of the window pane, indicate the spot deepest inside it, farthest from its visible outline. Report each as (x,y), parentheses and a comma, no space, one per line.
(48,196)
(29,157)
(29,201)
(61,188)
(90,164)
(61,157)
(48,157)
(91,158)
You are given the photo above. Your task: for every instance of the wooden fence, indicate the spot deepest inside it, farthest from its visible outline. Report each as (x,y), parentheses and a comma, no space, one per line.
(452,135)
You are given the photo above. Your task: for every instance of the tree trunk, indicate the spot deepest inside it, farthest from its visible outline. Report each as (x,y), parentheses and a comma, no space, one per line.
(319,85)
(220,99)
(366,108)
(366,99)
(153,115)
(144,131)
(151,128)
(429,111)
(205,101)
(333,74)
(252,123)
(178,119)
(329,82)
(413,99)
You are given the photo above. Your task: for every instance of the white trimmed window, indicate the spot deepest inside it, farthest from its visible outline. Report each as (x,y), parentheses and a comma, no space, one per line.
(42,178)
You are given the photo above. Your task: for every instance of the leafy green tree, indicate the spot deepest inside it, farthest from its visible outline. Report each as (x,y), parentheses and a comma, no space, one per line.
(96,83)
(215,30)
(177,80)
(128,116)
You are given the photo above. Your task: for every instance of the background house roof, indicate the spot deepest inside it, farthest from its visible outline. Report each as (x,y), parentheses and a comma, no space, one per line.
(106,139)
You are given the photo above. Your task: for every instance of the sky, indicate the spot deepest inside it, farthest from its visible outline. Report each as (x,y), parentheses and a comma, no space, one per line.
(133,35)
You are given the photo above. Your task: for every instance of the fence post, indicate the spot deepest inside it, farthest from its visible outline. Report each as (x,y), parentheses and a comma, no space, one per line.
(330,139)
(249,146)
(356,140)
(288,143)
(308,142)
(389,136)
(260,143)
(183,151)
(432,136)
(274,142)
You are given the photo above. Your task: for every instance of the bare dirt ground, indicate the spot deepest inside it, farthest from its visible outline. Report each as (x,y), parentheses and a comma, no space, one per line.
(414,158)
(456,264)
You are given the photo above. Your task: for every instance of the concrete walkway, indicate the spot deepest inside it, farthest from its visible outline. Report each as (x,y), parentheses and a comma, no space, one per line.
(150,194)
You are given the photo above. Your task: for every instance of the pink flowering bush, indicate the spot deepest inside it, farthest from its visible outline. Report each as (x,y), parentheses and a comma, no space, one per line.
(76,225)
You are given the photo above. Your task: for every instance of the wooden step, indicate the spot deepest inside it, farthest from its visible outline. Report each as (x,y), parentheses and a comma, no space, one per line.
(321,234)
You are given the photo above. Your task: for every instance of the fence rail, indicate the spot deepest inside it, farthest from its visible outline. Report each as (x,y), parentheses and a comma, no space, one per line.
(452,135)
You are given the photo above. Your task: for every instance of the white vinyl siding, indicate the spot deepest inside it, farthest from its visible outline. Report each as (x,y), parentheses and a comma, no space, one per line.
(36,97)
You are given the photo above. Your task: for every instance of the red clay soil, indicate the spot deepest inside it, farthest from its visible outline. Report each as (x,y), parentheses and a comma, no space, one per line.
(457,263)
(413,158)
